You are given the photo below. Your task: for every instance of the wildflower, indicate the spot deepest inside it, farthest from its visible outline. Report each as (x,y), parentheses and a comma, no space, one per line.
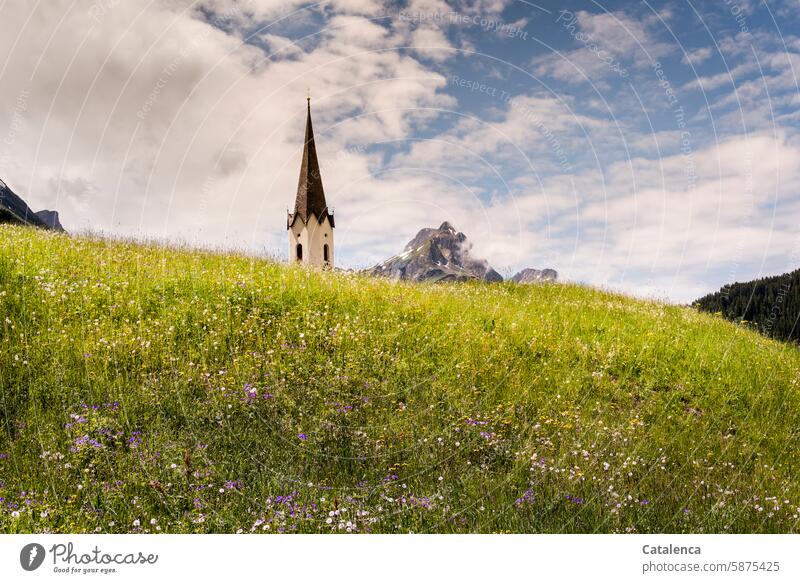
(527,497)
(84,440)
(135,439)
(136,523)
(302,436)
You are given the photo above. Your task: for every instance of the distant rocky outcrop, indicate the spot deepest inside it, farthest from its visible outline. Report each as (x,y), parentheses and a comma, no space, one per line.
(441,254)
(14,210)
(535,276)
(50,218)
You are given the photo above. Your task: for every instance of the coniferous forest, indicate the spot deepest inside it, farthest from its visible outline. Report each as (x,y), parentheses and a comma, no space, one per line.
(771,304)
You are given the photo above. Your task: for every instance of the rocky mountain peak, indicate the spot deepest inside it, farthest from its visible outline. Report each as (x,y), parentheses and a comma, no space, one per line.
(15,210)
(530,275)
(441,254)
(50,218)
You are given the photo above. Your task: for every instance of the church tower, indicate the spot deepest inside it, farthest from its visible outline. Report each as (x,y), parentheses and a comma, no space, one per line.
(311,225)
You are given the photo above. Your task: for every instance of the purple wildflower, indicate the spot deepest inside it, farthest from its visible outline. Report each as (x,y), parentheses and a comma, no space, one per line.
(135,439)
(86,440)
(250,392)
(526,498)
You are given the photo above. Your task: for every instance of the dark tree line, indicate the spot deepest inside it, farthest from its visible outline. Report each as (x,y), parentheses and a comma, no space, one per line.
(771,305)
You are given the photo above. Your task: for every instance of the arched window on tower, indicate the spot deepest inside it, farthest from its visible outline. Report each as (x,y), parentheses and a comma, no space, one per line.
(299,252)
(325,253)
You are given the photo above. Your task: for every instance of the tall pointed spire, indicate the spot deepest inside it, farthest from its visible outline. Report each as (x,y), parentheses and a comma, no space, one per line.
(310,197)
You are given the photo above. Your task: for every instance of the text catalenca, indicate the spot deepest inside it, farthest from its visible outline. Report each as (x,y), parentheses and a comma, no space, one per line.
(669,550)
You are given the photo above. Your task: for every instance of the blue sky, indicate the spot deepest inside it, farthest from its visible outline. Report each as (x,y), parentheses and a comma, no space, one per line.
(648,147)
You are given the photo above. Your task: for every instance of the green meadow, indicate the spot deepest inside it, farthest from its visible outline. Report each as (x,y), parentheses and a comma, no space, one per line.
(153,389)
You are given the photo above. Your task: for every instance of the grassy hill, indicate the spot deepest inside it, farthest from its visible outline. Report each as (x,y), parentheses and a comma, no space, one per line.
(145,389)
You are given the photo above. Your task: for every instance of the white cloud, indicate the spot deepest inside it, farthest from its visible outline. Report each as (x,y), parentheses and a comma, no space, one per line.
(697,56)
(431,43)
(683,219)
(609,45)
(717,80)
(153,122)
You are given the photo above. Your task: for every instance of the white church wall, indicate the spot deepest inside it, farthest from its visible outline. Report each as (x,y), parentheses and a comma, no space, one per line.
(319,235)
(298,234)
(313,237)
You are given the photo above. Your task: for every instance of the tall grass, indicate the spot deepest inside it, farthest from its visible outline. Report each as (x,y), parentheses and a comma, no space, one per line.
(148,389)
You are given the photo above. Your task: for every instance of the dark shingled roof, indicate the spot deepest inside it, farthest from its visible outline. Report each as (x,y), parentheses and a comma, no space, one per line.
(310,194)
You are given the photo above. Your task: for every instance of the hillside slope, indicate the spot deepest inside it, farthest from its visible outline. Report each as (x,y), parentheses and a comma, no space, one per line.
(146,389)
